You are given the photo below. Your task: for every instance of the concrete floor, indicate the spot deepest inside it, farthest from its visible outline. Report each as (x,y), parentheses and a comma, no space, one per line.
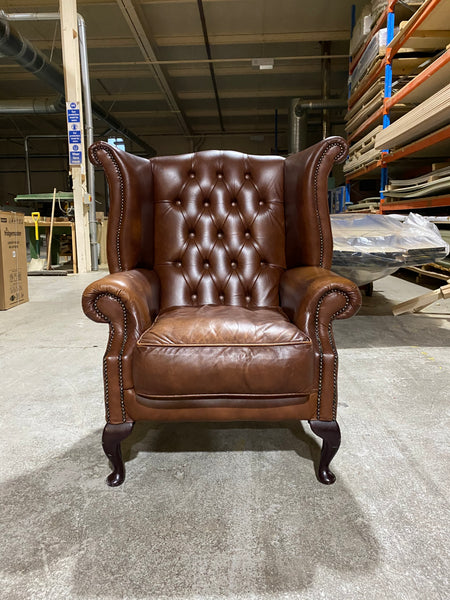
(215,512)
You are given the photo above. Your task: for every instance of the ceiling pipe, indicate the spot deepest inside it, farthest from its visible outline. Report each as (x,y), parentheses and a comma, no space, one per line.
(34,106)
(298,119)
(16,47)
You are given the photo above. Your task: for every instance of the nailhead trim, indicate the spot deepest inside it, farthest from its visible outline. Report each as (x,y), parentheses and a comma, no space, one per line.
(110,341)
(333,346)
(316,196)
(122,197)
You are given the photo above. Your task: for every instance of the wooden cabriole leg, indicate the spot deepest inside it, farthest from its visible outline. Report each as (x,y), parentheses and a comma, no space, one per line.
(331,435)
(112,436)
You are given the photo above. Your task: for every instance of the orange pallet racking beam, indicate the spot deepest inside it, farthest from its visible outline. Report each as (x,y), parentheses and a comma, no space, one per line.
(418,80)
(415,21)
(432,202)
(433,68)
(429,140)
(364,170)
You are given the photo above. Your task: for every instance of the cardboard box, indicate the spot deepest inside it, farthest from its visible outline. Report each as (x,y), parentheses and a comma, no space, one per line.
(13,260)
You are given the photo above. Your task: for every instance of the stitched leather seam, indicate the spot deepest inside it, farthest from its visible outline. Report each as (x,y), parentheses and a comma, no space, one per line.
(268,345)
(119,356)
(122,199)
(316,195)
(333,346)
(212,396)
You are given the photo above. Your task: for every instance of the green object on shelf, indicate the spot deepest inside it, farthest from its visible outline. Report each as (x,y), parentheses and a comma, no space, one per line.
(64,196)
(35,246)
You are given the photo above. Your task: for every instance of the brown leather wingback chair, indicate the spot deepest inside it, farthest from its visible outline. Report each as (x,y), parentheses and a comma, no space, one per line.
(220,300)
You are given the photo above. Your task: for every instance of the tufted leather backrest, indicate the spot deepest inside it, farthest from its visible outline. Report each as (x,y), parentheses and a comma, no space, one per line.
(219,228)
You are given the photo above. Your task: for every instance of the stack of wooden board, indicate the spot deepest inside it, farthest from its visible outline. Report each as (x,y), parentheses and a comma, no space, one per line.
(430,115)
(363,151)
(430,184)
(365,106)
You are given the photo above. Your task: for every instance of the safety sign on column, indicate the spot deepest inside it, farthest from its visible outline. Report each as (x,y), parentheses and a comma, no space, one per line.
(74,130)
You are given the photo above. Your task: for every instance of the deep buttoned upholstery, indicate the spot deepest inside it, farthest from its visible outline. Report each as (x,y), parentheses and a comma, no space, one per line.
(220,299)
(219,229)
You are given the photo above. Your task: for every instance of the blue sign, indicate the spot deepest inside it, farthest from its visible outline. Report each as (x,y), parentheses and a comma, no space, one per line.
(73,115)
(73,105)
(75,137)
(75,158)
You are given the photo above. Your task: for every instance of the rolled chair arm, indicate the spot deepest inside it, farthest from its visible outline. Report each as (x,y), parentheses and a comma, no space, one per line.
(307,291)
(312,298)
(128,301)
(135,291)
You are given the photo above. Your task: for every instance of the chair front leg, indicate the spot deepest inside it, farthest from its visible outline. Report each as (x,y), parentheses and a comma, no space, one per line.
(113,434)
(331,435)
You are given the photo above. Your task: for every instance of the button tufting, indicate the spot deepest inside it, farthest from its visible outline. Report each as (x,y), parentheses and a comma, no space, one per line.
(178,263)
(247,176)
(221,297)
(206,203)
(192,175)
(206,265)
(262,263)
(192,234)
(261,202)
(220,234)
(233,203)
(247,234)
(178,202)
(219,175)
(194,297)
(247,298)
(233,264)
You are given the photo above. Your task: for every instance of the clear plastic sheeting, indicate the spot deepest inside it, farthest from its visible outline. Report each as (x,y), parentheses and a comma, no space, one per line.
(370,246)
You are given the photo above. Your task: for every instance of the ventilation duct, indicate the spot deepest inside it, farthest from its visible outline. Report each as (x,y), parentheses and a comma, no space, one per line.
(35,106)
(298,119)
(16,47)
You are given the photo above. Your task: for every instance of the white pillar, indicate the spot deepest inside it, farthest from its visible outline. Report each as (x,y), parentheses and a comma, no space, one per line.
(74,95)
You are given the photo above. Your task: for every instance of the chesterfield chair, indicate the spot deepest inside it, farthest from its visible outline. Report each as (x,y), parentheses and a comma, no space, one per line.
(220,298)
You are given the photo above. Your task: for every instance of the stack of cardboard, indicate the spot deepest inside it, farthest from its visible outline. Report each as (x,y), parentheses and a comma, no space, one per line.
(13,261)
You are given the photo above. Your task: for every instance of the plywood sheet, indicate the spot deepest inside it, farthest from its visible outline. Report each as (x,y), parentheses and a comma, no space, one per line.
(428,116)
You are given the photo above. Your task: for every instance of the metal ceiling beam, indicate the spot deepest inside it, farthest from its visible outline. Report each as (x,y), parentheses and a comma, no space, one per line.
(211,66)
(209,94)
(217,40)
(254,38)
(140,73)
(139,34)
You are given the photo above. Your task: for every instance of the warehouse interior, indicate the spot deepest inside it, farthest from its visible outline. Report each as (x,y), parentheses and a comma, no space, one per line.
(226,510)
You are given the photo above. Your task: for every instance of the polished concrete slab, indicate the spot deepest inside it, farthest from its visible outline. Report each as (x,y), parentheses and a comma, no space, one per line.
(212,512)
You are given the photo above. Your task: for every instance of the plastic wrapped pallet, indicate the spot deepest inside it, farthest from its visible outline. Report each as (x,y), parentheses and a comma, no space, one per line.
(371,246)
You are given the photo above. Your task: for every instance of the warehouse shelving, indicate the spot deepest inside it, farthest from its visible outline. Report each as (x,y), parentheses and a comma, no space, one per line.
(424,83)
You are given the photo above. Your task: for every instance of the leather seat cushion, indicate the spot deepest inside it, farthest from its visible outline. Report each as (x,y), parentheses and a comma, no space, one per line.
(201,352)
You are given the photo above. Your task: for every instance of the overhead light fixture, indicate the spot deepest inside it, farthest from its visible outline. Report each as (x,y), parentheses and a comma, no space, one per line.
(264,64)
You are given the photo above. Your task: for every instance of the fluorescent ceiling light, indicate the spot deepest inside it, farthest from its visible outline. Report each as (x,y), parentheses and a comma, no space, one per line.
(263,63)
